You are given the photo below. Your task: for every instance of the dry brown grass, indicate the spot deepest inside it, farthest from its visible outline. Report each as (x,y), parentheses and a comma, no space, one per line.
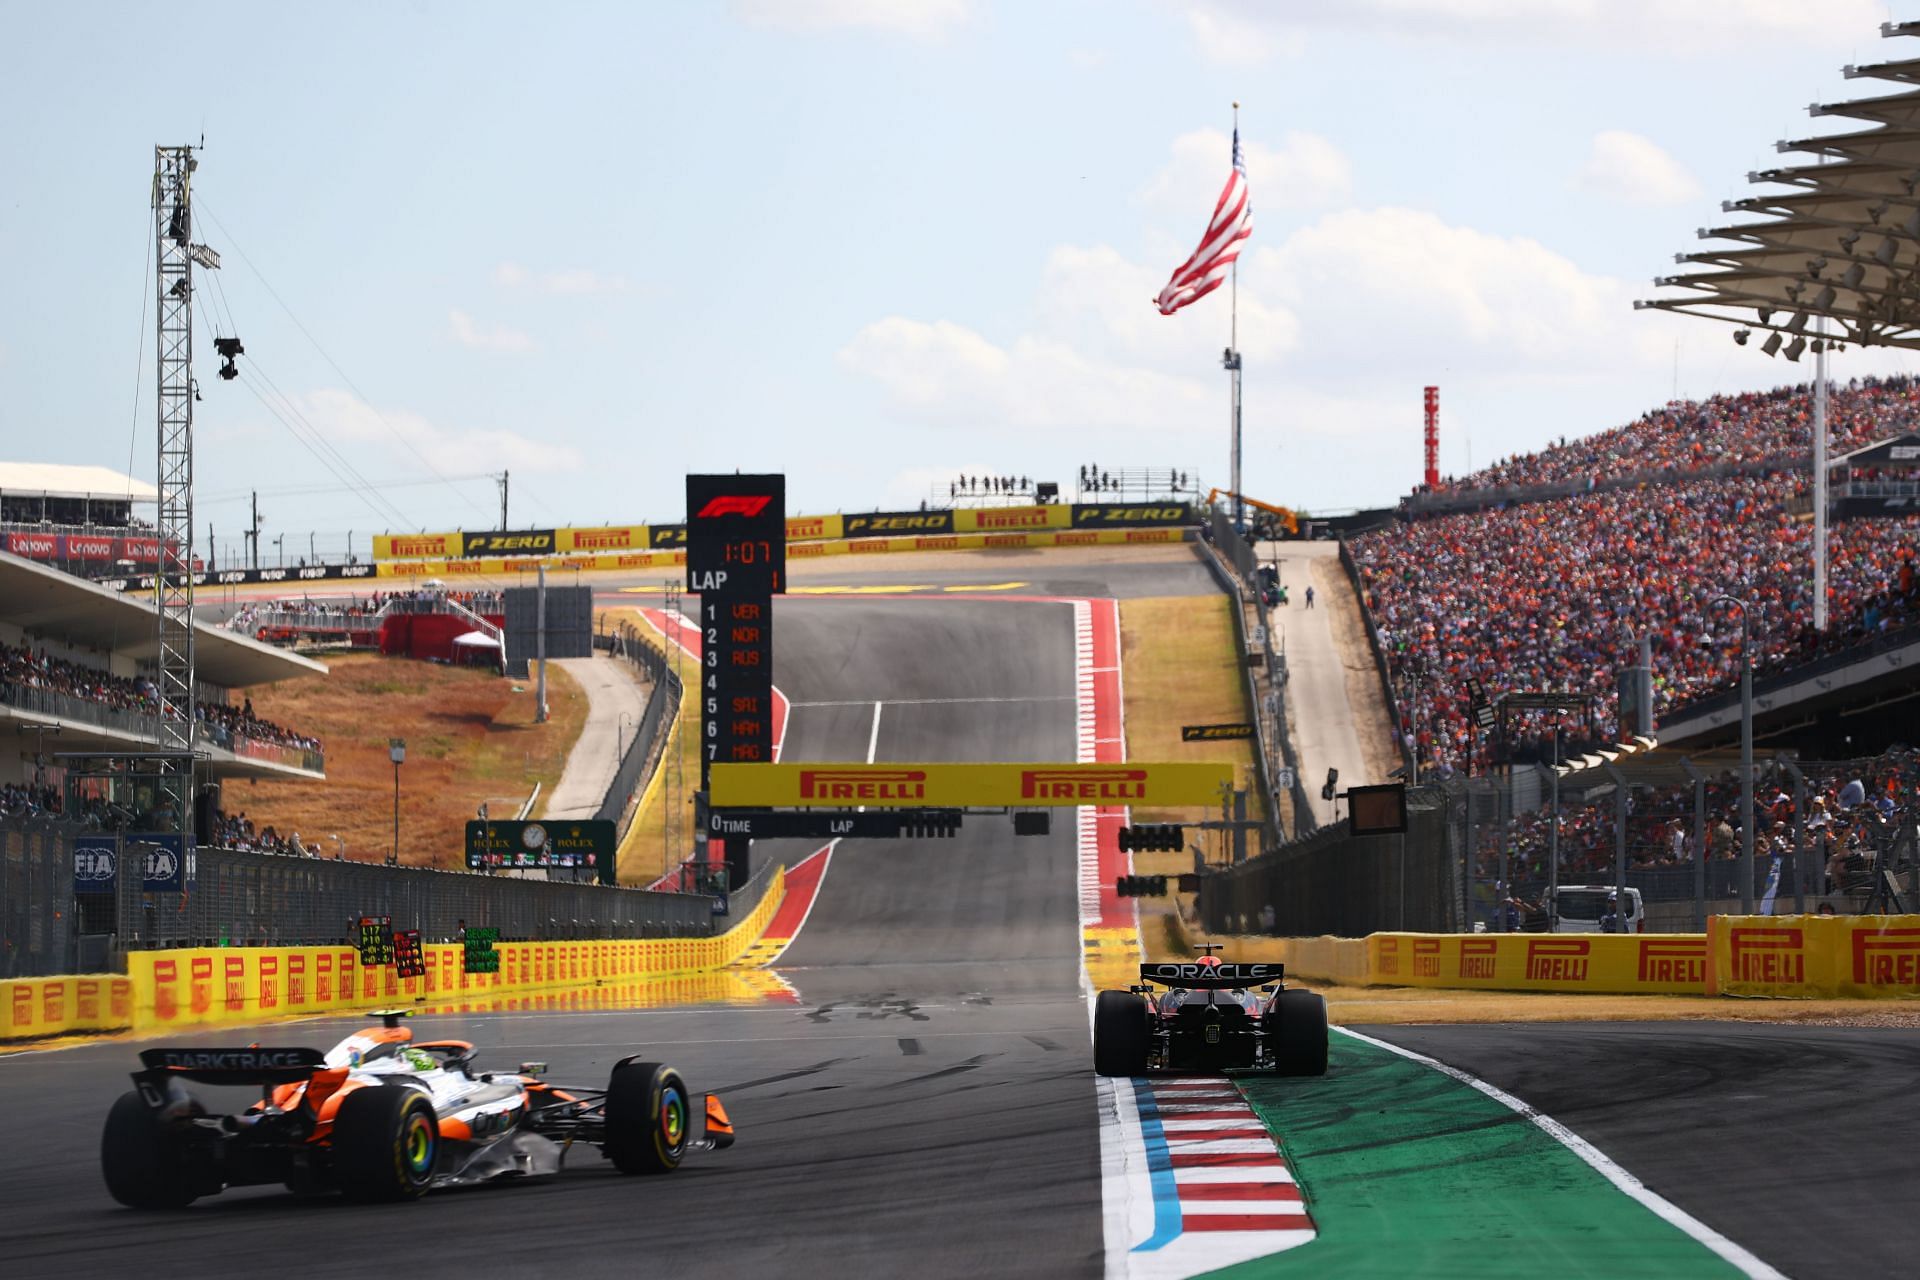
(470,738)
(1180,668)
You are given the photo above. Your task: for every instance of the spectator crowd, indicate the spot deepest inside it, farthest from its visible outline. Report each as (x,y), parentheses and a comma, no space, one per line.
(1551,597)
(23,671)
(1856,815)
(1688,436)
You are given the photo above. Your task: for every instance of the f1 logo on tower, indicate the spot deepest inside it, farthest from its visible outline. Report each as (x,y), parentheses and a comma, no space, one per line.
(734,504)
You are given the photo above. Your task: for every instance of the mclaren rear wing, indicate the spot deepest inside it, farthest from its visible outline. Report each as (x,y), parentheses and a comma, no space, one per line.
(1210,977)
(244,1066)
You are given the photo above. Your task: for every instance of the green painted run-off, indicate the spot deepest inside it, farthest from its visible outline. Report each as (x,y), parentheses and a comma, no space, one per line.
(1409,1172)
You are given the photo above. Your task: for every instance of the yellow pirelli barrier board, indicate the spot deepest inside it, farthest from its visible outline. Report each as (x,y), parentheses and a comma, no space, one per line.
(1012,519)
(214,985)
(494,566)
(896,786)
(1875,957)
(1326,959)
(1620,964)
(34,1007)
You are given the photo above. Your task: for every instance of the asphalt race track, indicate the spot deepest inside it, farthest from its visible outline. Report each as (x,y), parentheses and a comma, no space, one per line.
(1794,1140)
(926,1108)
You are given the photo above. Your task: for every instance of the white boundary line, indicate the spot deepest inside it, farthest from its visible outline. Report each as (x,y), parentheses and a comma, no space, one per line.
(1601,1163)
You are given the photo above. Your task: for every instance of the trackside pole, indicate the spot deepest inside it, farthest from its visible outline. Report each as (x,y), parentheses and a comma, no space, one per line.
(540,646)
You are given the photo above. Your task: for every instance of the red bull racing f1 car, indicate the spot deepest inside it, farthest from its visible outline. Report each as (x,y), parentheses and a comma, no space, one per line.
(1209,1016)
(382,1116)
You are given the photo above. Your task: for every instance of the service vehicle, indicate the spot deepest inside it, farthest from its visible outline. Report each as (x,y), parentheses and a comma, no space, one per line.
(1210,1016)
(1590,908)
(382,1116)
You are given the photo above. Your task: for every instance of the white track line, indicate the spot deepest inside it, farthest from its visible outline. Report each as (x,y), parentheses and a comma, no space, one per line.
(1635,1189)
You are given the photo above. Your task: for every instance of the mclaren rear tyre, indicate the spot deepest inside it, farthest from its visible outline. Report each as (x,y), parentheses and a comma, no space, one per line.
(1120,1034)
(385,1141)
(649,1118)
(139,1159)
(1297,1034)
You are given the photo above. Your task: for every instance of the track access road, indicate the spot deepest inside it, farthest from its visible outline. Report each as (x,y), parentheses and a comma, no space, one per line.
(924,1108)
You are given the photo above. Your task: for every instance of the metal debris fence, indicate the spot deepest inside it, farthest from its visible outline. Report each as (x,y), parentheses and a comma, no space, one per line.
(257,899)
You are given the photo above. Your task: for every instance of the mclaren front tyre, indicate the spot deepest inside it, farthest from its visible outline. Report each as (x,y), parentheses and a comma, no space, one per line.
(1120,1034)
(649,1118)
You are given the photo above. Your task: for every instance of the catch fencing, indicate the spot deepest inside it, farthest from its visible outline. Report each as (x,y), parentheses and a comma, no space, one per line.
(662,707)
(1481,852)
(1276,766)
(1334,882)
(236,898)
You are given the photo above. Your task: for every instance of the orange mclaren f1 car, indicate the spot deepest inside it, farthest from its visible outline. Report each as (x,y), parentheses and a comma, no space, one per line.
(382,1116)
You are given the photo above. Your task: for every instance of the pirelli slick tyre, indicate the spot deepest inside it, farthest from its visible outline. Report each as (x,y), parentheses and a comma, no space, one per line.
(140,1159)
(1297,1034)
(385,1141)
(1120,1034)
(649,1118)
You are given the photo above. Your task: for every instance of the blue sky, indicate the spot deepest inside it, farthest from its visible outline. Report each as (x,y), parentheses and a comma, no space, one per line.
(874,243)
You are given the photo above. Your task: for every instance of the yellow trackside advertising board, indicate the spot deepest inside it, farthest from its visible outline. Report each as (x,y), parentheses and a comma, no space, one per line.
(1012,519)
(815,528)
(1648,963)
(605,538)
(32,1007)
(906,786)
(1815,956)
(415,546)
(491,566)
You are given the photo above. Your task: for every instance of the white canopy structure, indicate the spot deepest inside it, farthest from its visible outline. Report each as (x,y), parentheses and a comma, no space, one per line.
(1837,238)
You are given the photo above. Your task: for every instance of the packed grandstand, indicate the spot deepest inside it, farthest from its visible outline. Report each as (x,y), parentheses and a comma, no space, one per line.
(1552,593)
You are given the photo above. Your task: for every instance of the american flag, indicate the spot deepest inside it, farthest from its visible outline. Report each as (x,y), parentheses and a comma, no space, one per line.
(1232,223)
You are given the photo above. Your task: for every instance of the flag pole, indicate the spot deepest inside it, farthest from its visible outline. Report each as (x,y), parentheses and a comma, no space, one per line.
(1233,369)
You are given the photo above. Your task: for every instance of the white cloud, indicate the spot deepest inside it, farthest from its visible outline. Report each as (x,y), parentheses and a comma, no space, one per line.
(1087,59)
(1341,324)
(1378,285)
(571,283)
(1306,171)
(950,375)
(468,334)
(342,416)
(915,19)
(1233,32)
(1633,169)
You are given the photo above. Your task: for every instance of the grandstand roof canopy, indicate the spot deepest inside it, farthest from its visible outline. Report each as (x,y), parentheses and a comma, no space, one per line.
(60,480)
(1899,449)
(58,605)
(1837,237)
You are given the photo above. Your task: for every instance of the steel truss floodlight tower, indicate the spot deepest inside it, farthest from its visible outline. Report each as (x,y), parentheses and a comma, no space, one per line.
(173,573)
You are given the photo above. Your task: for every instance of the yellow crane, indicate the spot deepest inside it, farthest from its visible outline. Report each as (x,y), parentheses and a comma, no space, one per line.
(1283,519)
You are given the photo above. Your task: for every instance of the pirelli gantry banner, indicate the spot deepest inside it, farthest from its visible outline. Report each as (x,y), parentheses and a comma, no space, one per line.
(614,539)
(956,786)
